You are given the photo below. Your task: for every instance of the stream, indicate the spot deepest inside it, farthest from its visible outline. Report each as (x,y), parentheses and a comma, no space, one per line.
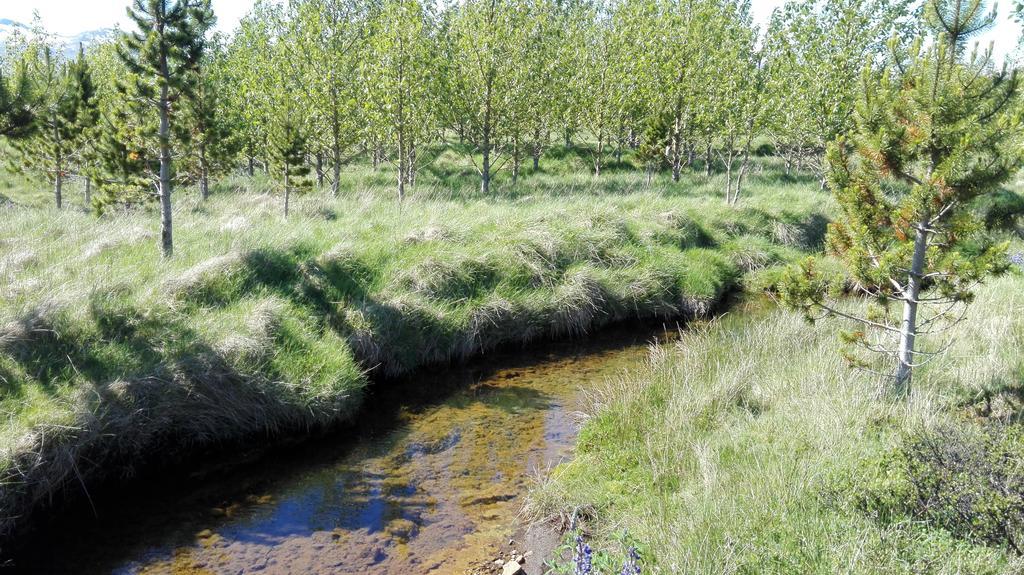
(428,480)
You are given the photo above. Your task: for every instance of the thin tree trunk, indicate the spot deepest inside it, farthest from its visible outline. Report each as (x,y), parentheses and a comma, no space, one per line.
(287,191)
(536,149)
(58,180)
(707,161)
(204,173)
(336,173)
(676,153)
(485,176)
(252,166)
(88,192)
(908,328)
(320,170)
(166,229)
(401,174)
(58,189)
(728,182)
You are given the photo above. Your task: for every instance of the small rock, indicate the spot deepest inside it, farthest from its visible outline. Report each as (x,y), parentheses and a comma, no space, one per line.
(512,568)
(498,562)
(519,559)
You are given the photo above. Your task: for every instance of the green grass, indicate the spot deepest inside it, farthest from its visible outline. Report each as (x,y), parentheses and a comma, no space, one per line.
(742,449)
(110,356)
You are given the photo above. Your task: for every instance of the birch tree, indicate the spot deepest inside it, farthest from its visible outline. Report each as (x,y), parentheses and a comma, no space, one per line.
(482,41)
(400,85)
(330,42)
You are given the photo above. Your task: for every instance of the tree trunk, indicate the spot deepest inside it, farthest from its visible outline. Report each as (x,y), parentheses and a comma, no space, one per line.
(88,192)
(287,191)
(320,170)
(58,180)
(252,166)
(204,182)
(204,173)
(728,182)
(485,176)
(536,148)
(908,328)
(401,176)
(675,153)
(166,230)
(707,161)
(336,168)
(58,189)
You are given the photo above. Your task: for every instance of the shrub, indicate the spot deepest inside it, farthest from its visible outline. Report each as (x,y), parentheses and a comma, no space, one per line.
(967,479)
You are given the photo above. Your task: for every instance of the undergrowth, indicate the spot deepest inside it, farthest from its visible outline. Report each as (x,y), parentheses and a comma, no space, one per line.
(750,447)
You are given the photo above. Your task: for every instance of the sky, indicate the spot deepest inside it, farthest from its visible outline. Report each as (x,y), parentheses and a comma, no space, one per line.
(69,17)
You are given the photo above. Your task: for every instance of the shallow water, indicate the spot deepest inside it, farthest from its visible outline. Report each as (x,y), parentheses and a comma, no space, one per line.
(426,482)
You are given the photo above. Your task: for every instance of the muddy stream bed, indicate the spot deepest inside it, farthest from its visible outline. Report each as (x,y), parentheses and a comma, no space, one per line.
(429,480)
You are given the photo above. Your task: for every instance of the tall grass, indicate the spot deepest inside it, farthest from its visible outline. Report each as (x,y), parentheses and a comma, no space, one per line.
(738,450)
(111,357)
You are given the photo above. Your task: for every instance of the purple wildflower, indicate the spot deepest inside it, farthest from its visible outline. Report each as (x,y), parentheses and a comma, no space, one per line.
(632,564)
(582,558)
(1017,259)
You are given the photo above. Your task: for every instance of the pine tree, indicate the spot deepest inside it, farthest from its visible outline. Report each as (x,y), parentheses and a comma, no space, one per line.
(87,119)
(209,127)
(164,55)
(289,148)
(932,134)
(17,112)
(65,110)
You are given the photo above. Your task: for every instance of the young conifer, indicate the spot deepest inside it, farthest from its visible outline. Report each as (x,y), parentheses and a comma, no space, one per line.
(933,133)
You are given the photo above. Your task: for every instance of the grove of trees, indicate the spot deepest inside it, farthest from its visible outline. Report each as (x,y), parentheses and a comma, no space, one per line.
(694,83)
(870,95)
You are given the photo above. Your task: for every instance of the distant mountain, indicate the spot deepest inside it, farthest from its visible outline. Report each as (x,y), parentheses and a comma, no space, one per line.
(68,44)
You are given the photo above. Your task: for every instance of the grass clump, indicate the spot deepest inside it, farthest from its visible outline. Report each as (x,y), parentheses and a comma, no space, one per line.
(111,357)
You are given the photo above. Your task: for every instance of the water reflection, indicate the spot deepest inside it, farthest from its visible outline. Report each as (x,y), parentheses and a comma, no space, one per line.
(433,476)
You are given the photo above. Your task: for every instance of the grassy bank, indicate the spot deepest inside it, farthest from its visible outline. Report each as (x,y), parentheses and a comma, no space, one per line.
(110,357)
(751,448)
